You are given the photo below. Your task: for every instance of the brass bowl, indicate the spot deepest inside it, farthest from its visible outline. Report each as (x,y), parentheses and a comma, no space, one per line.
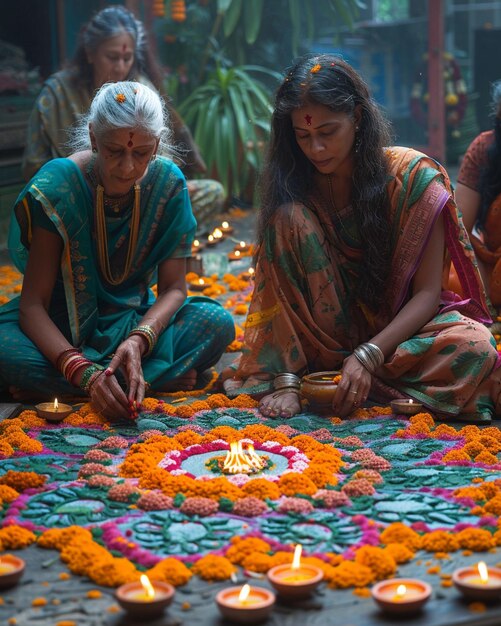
(319,390)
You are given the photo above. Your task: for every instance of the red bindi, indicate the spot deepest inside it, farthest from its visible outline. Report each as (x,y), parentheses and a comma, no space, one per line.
(129,143)
(308,119)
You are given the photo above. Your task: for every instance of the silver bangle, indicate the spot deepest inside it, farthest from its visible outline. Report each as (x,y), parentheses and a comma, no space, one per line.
(370,356)
(286,380)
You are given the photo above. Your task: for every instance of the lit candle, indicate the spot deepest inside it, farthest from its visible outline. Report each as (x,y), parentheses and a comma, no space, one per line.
(478,583)
(248,275)
(406,406)
(145,597)
(236,255)
(11,570)
(242,246)
(53,412)
(226,228)
(211,241)
(246,604)
(199,284)
(296,579)
(401,595)
(196,246)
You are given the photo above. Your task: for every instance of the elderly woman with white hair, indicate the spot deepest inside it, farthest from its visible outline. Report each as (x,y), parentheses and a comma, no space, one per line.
(91,232)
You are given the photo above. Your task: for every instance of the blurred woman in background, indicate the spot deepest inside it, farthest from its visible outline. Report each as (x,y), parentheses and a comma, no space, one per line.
(111,47)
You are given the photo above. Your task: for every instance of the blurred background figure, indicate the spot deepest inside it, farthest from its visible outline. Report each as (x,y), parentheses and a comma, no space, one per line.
(112,46)
(478,196)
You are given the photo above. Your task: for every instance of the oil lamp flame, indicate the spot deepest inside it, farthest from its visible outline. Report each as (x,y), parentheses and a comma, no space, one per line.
(483,572)
(244,593)
(147,586)
(296,561)
(401,591)
(253,457)
(240,461)
(56,405)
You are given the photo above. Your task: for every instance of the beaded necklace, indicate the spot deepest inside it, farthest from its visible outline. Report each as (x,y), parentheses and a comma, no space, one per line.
(102,237)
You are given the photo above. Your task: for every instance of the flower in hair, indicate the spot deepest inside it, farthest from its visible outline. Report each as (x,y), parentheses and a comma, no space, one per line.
(316,68)
(120,98)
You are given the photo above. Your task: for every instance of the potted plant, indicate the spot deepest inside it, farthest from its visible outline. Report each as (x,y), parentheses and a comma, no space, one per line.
(229,116)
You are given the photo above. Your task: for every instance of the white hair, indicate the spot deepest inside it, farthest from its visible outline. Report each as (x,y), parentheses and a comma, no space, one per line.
(125,104)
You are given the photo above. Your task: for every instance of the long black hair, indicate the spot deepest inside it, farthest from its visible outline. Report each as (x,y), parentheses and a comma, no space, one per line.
(107,23)
(490,179)
(288,174)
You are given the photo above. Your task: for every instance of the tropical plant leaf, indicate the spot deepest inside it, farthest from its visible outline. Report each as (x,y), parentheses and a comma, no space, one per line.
(253,12)
(231,17)
(222,5)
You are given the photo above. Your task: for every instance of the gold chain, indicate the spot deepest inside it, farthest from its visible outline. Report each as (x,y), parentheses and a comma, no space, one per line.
(102,238)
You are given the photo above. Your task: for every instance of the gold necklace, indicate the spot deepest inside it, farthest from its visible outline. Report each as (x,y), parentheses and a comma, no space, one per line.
(102,238)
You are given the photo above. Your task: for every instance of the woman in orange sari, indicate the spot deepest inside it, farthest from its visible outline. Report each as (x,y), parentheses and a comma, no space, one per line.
(355,242)
(478,196)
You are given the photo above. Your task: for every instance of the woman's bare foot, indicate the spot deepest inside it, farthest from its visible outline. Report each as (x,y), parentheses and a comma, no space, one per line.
(280,404)
(186,382)
(230,384)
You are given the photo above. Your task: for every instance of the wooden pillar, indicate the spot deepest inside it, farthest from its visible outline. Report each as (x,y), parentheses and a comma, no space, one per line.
(436,106)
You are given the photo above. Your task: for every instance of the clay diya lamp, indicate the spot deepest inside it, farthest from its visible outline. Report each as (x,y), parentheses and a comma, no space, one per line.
(53,411)
(319,389)
(248,275)
(145,598)
(406,406)
(199,284)
(295,580)
(226,228)
(479,583)
(236,255)
(242,247)
(401,595)
(196,246)
(246,605)
(212,241)
(11,570)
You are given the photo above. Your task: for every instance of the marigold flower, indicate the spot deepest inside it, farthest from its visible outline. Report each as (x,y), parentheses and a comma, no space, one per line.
(400,533)
(316,68)
(399,552)
(262,489)
(476,539)
(379,561)
(171,571)
(350,574)
(120,98)
(212,567)
(292,484)
(439,541)
(16,537)
(240,548)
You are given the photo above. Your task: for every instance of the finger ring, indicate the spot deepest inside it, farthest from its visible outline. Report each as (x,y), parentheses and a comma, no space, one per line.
(355,392)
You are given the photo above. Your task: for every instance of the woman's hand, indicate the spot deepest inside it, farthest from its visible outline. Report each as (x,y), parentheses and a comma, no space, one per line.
(128,358)
(353,389)
(108,398)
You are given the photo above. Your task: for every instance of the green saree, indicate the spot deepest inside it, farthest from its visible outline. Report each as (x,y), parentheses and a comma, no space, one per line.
(91,313)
